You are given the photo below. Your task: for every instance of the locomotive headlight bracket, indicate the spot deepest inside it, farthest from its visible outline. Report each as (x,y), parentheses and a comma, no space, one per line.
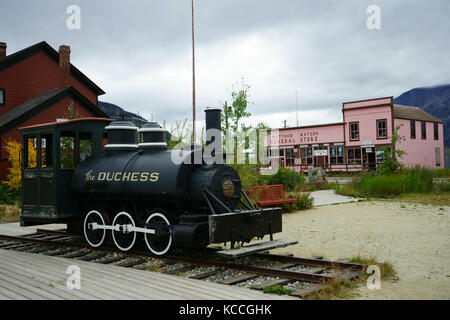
(125,228)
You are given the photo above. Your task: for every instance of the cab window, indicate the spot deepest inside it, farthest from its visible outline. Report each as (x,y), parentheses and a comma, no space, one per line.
(30,152)
(46,151)
(86,145)
(67,150)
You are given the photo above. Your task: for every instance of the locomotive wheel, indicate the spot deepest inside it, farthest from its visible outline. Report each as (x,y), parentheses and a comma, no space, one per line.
(160,242)
(95,238)
(124,240)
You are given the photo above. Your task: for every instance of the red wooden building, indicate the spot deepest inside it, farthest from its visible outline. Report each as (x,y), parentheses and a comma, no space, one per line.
(37,84)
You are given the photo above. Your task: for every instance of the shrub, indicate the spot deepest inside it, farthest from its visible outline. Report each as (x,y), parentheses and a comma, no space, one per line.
(8,195)
(14,176)
(288,178)
(441,173)
(250,175)
(304,201)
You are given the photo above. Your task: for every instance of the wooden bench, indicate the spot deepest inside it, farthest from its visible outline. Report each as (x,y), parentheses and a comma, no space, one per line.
(270,195)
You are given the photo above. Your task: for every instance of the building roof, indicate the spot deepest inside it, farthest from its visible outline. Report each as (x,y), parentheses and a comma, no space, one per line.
(64,122)
(413,113)
(312,126)
(18,56)
(42,101)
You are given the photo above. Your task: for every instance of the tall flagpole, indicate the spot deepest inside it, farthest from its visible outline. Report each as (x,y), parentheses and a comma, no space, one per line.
(296,106)
(193,76)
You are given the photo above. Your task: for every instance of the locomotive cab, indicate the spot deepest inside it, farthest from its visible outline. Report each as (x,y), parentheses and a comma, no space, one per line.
(50,154)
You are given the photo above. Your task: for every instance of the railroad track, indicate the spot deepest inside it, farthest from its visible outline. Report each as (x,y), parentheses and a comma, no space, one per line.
(302,276)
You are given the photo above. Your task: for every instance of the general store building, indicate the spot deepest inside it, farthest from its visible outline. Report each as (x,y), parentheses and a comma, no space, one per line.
(356,143)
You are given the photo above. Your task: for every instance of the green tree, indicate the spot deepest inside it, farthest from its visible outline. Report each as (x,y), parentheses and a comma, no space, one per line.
(67,143)
(240,104)
(181,133)
(392,155)
(232,115)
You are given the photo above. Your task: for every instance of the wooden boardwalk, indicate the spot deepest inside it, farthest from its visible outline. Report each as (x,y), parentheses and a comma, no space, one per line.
(14,228)
(37,277)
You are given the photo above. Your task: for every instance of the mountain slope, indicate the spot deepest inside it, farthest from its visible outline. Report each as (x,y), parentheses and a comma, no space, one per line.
(434,100)
(116,112)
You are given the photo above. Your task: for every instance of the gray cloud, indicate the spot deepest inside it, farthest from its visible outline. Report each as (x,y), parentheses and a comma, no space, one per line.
(139,52)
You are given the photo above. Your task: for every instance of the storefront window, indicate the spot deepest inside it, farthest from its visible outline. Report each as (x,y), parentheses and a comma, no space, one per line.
(337,154)
(290,155)
(306,156)
(303,156)
(309,156)
(354,156)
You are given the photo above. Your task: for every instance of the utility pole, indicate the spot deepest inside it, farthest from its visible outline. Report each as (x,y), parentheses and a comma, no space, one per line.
(296,105)
(193,76)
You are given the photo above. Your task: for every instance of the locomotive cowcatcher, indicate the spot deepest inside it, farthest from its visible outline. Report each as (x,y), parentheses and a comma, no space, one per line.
(127,191)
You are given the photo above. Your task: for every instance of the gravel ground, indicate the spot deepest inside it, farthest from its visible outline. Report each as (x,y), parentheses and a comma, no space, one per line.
(414,237)
(198,270)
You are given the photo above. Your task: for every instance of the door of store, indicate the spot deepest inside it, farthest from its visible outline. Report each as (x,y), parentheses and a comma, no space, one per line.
(321,157)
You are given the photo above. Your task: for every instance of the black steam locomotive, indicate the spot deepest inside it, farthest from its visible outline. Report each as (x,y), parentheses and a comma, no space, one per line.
(134,189)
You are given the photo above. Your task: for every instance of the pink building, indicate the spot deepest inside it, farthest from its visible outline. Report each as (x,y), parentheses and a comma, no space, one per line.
(355,143)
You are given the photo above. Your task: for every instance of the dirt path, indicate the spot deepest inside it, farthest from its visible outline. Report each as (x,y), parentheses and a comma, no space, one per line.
(414,237)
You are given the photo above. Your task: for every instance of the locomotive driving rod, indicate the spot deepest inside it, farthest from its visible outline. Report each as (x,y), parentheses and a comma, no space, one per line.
(125,228)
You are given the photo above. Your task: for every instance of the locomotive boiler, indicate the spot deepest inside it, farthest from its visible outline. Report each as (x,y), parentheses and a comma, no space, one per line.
(136,188)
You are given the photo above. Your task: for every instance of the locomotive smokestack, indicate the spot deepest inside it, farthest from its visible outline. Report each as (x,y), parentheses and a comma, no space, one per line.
(214,132)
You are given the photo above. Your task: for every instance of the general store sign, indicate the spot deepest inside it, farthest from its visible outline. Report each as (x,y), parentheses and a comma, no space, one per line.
(295,138)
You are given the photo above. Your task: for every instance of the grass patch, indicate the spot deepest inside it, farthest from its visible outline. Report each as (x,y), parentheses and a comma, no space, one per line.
(337,289)
(154,268)
(9,213)
(278,289)
(441,173)
(408,181)
(438,198)
(386,268)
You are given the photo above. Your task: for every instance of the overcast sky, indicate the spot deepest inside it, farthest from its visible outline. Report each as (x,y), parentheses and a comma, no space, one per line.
(139,52)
